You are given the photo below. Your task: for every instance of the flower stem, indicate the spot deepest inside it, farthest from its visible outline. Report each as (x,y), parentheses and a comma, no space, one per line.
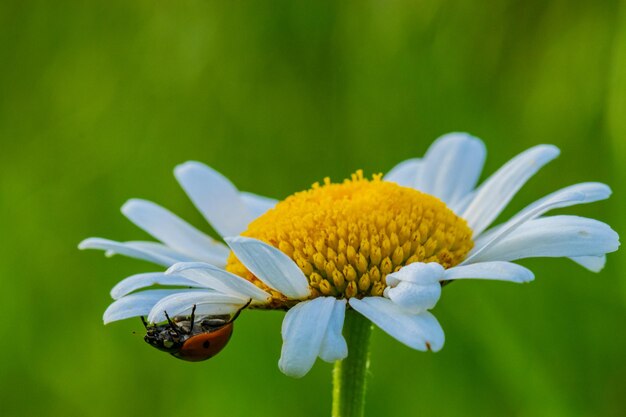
(350,375)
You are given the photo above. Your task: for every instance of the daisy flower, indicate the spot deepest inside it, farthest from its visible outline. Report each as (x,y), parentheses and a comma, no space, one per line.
(381,246)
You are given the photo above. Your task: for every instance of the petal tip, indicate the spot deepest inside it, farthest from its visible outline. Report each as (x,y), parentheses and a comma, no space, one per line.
(460,136)
(528,277)
(181,171)
(187,165)
(551,151)
(433,347)
(464,138)
(130,205)
(106,317)
(293,373)
(89,243)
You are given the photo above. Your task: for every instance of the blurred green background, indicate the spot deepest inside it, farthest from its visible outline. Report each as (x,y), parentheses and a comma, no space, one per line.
(100,100)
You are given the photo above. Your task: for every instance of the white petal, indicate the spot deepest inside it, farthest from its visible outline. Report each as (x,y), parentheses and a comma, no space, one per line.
(592,263)
(405,173)
(557,236)
(207,303)
(569,196)
(334,346)
(418,331)
(135,282)
(417,273)
(257,204)
(415,287)
(303,330)
(130,249)
(158,248)
(175,232)
(496,192)
(414,298)
(215,197)
(212,277)
(452,166)
(271,266)
(135,305)
(502,271)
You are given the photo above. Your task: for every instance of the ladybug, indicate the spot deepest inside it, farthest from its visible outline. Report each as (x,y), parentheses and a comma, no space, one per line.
(189,340)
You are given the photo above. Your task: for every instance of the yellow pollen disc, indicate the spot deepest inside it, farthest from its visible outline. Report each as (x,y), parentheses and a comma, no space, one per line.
(347,237)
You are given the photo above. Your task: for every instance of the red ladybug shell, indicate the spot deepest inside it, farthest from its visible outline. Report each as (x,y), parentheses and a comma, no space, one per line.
(204,346)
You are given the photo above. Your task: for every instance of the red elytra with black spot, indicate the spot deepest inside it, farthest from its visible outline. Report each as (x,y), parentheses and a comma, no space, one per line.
(204,346)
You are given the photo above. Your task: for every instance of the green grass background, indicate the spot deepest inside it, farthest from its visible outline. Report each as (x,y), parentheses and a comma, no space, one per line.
(100,100)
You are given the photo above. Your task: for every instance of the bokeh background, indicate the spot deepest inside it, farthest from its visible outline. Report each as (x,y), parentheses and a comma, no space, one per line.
(100,100)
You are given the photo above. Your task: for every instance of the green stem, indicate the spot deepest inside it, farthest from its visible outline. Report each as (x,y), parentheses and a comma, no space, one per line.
(350,375)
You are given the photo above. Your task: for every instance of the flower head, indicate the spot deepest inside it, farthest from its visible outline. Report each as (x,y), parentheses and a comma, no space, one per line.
(380,246)
(348,237)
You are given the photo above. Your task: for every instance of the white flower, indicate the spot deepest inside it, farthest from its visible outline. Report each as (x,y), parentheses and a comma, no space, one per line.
(381,249)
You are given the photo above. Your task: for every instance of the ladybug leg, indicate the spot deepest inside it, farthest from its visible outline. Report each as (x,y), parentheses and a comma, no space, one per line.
(171,323)
(145,323)
(239,311)
(193,319)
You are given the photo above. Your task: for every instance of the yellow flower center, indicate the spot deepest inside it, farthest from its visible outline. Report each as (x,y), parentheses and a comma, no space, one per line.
(347,237)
